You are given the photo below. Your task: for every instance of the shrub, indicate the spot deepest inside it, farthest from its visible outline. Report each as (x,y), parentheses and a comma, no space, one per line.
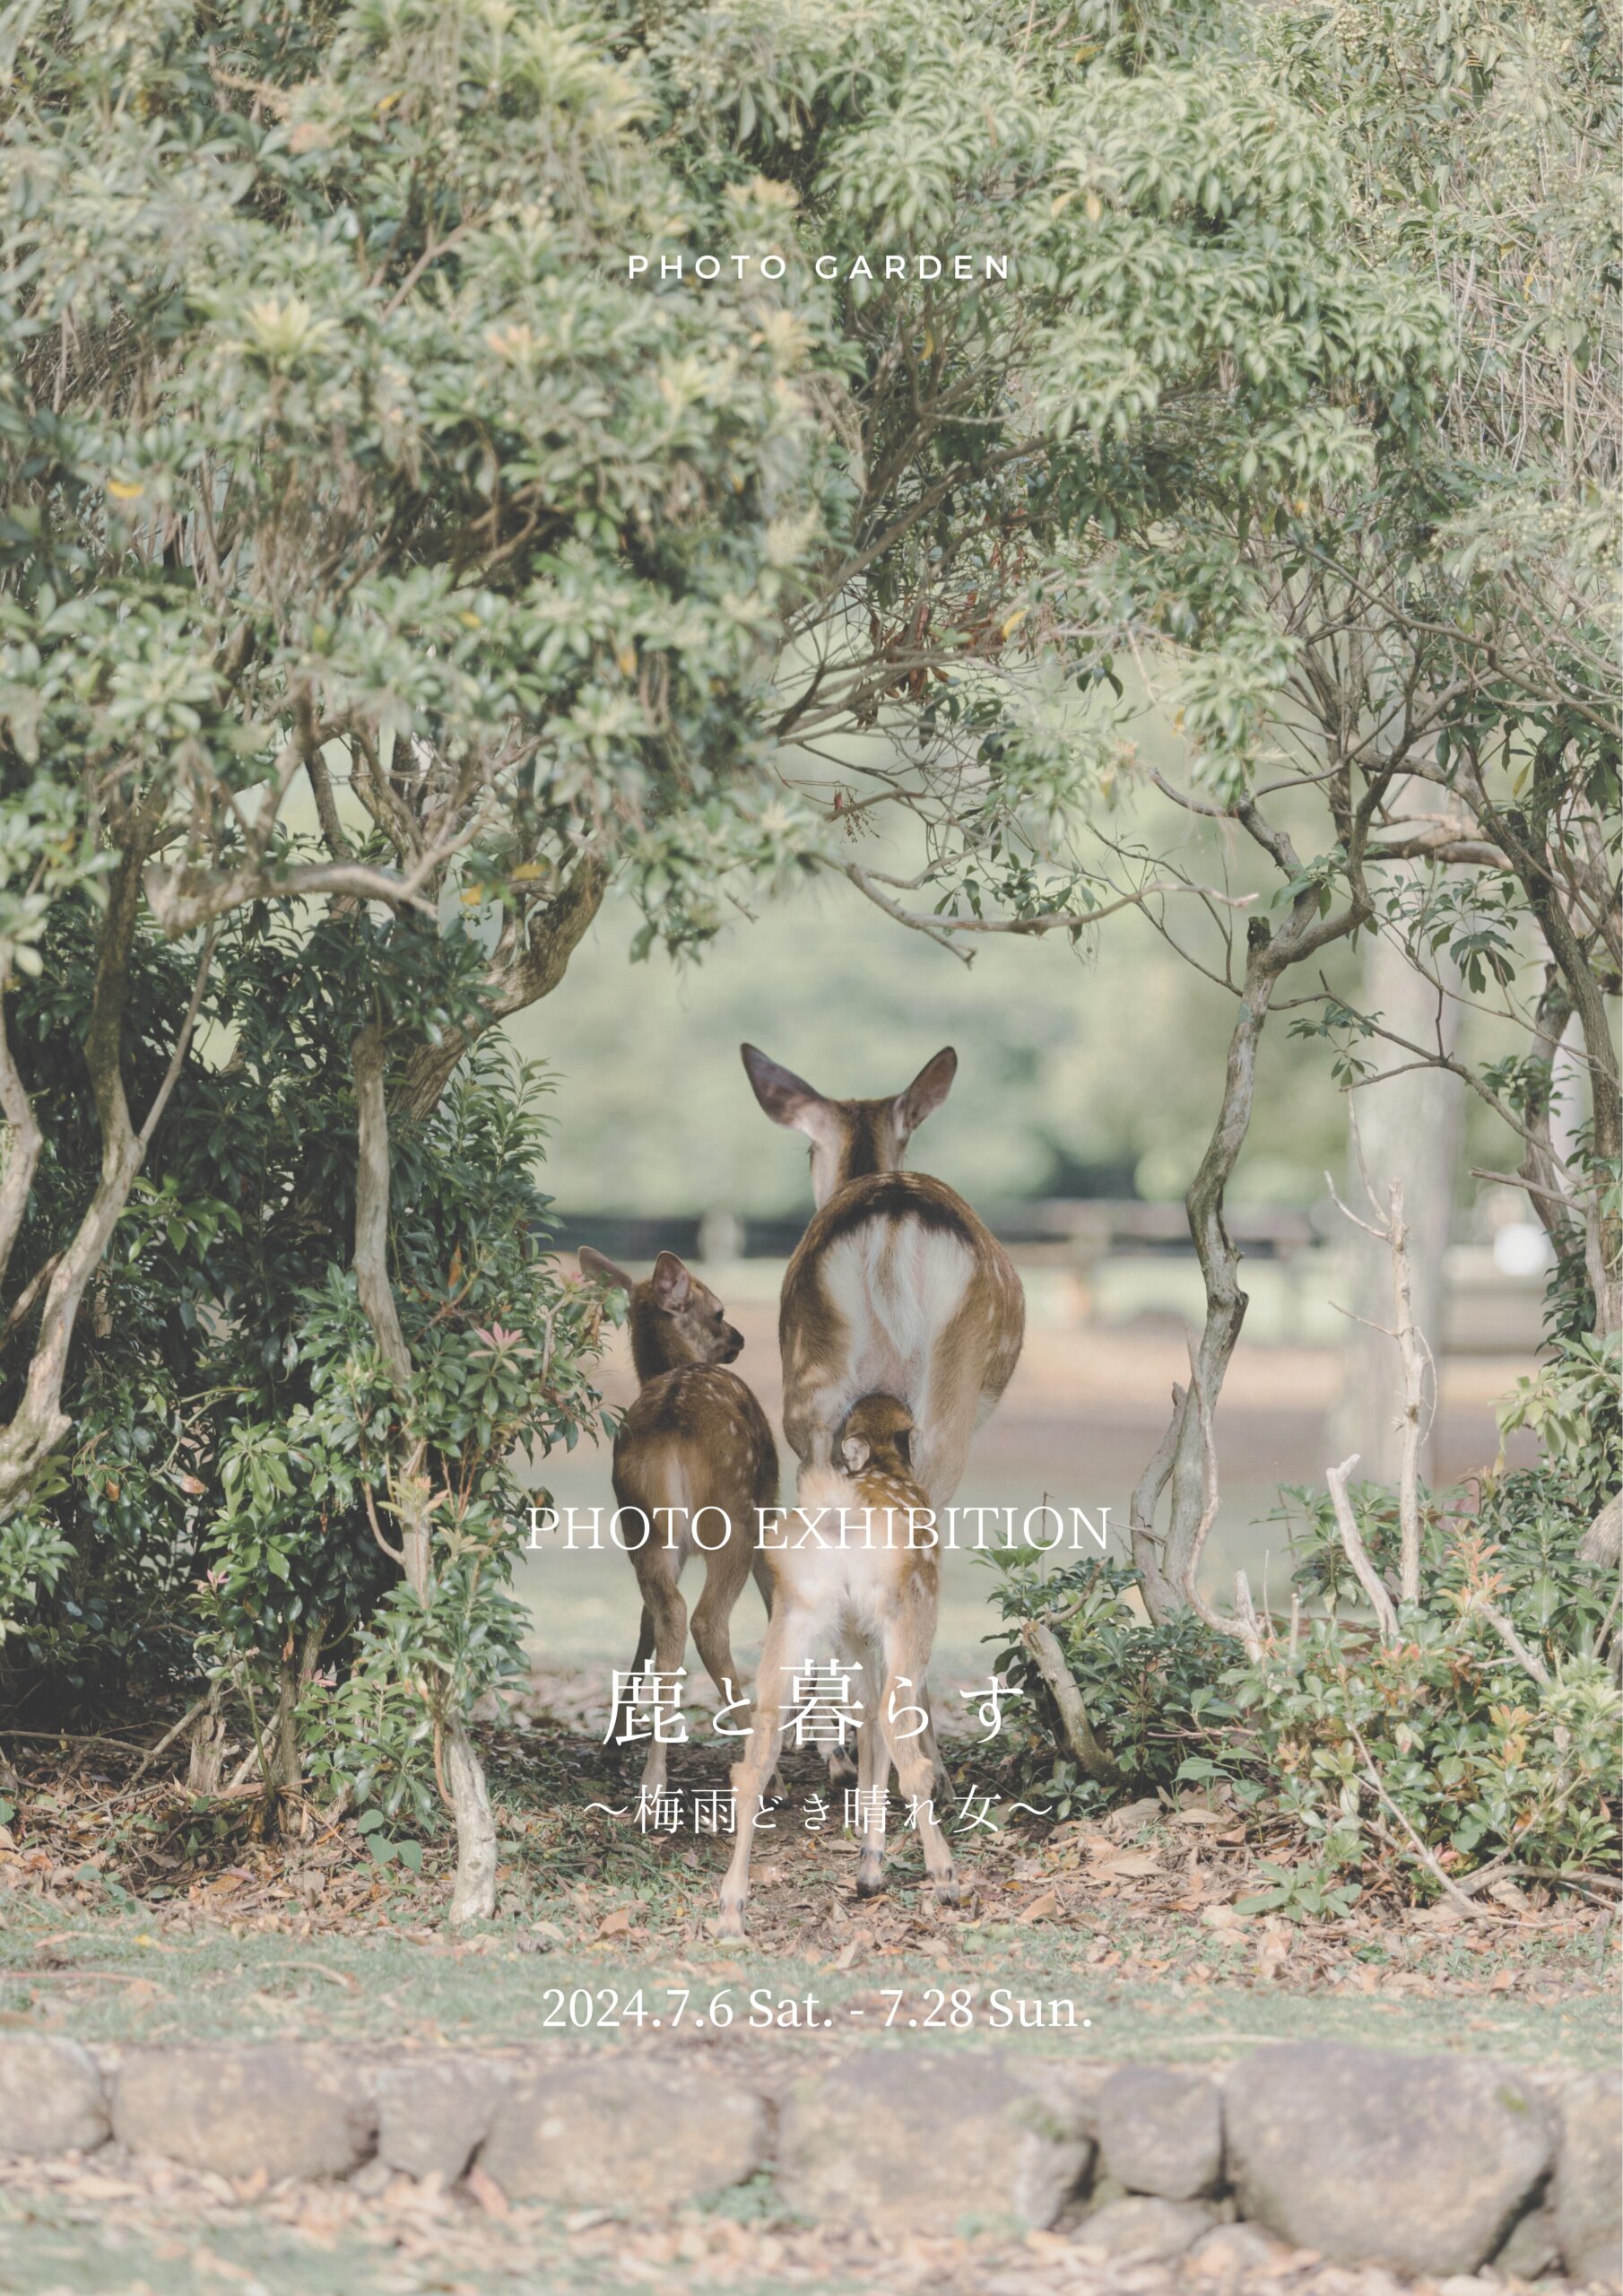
(1151,1692)
(1484,1740)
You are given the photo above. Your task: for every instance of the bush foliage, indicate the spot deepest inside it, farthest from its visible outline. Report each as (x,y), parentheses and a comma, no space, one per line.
(1460,1750)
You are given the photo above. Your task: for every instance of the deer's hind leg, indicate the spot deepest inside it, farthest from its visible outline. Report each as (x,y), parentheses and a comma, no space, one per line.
(669,1613)
(645,1651)
(788,1635)
(908,1644)
(872,1778)
(761,1571)
(949,1407)
(725,1570)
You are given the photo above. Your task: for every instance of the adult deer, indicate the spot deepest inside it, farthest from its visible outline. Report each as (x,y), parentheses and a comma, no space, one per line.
(896,1287)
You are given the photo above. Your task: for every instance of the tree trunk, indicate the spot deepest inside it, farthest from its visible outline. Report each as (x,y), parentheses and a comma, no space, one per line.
(206,1760)
(1526,836)
(529,962)
(1408,1129)
(294,1678)
(23,1140)
(1602,1542)
(473,1896)
(1163,1561)
(286,1769)
(527,965)
(40,1423)
(410,1491)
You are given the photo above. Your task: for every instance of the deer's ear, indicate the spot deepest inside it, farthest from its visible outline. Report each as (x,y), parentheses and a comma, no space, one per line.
(927,1091)
(672,1283)
(855,1453)
(594,1264)
(787,1098)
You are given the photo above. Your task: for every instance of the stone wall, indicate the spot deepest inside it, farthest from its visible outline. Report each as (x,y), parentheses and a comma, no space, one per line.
(1433,2166)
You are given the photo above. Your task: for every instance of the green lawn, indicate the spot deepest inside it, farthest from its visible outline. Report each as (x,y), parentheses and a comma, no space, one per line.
(126,1977)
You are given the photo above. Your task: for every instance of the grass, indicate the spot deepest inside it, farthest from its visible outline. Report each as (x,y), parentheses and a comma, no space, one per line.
(179,1925)
(121,1977)
(147,1916)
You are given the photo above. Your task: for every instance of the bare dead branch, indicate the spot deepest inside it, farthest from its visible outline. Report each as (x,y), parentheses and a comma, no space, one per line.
(1414,1355)
(1049,1659)
(1048,920)
(1368,1578)
(1513,1642)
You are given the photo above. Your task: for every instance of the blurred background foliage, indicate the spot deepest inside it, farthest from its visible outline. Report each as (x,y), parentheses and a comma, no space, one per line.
(1085,1070)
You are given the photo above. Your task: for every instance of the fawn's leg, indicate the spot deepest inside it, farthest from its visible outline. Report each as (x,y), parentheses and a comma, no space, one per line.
(723,1584)
(779,1660)
(645,1646)
(670,1613)
(761,1571)
(915,1779)
(908,1644)
(872,1775)
(940,1778)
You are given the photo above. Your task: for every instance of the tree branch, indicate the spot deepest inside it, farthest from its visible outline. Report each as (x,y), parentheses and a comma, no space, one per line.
(1368,1578)
(1049,1659)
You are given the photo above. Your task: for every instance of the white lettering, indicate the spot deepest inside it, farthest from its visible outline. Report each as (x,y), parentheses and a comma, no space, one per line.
(726,1528)
(1059,1531)
(614,1532)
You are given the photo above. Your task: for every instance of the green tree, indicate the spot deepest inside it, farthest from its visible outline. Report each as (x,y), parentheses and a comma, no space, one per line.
(334,454)
(1355,525)
(340,468)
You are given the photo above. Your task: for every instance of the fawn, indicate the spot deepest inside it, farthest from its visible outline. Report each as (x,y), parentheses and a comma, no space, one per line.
(896,1287)
(695,1438)
(869,1598)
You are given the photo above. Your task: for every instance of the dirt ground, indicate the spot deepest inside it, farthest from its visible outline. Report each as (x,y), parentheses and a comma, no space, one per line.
(1085,1410)
(134,2229)
(131,1911)
(134,1913)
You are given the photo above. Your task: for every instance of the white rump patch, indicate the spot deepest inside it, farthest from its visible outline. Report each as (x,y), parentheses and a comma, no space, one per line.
(897,1283)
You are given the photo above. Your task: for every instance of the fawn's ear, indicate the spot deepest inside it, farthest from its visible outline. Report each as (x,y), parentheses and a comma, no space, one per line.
(927,1091)
(594,1264)
(672,1284)
(855,1453)
(787,1098)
